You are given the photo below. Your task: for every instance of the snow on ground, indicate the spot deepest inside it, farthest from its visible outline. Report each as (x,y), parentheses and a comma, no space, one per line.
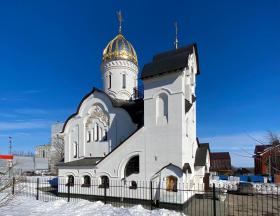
(262,188)
(24,206)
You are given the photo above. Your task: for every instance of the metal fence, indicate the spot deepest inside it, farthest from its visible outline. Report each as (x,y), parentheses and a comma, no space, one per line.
(191,199)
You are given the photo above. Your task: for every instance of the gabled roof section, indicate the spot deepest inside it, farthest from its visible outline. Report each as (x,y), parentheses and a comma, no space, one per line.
(82,162)
(135,108)
(170,61)
(201,154)
(270,148)
(220,161)
(261,148)
(170,164)
(78,108)
(219,156)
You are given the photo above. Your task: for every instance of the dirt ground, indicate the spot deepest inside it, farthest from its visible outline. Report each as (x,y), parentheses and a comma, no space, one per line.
(235,205)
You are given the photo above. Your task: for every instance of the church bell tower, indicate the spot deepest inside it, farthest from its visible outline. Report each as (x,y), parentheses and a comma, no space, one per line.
(120,67)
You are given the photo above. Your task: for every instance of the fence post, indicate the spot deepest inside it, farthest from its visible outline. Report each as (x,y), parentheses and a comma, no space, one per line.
(13,185)
(68,191)
(105,190)
(214,199)
(151,191)
(37,194)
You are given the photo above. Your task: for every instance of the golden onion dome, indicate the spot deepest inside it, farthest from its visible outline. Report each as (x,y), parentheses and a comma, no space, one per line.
(119,49)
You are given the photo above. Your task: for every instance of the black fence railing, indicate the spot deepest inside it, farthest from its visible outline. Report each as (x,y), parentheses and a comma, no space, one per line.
(191,199)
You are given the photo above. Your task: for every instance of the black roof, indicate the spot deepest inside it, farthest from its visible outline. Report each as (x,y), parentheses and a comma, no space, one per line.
(169,61)
(201,153)
(82,162)
(170,164)
(260,148)
(135,108)
(188,105)
(220,156)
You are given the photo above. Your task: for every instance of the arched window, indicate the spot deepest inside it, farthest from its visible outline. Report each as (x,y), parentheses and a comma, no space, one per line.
(75,149)
(104,182)
(132,166)
(100,132)
(105,135)
(43,153)
(97,132)
(133,185)
(171,183)
(162,105)
(93,134)
(88,136)
(123,81)
(100,136)
(70,181)
(87,181)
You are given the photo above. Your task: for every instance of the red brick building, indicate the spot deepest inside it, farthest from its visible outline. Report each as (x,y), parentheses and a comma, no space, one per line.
(220,163)
(267,159)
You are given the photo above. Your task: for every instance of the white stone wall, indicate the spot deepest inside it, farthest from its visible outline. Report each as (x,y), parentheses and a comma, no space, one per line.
(163,139)
(119,127)
(43,151)
(166,137)
(116,69)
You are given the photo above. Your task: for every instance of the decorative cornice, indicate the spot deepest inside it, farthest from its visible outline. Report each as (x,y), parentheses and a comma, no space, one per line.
(123,64)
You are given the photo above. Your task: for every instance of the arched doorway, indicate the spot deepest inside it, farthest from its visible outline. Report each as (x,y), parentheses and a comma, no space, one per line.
(132,166)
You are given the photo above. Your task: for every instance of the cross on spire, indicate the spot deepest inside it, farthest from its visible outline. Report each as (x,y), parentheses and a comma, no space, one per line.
(176,42)
(120,18)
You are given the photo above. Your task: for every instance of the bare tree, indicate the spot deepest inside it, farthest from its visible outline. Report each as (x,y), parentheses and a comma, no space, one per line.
(273,160)
(273,138)
(57,152)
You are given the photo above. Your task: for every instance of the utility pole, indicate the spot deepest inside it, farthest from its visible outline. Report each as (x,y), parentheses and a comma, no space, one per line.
(10,153)
(10,145)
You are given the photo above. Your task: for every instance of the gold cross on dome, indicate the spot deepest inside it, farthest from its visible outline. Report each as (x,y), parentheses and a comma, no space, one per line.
(120,18)
(176,42)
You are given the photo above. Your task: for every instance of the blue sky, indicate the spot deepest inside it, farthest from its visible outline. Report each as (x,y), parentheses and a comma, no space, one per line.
(50,55)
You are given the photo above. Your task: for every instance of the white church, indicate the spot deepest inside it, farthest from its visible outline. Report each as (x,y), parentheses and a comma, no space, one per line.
(117,135)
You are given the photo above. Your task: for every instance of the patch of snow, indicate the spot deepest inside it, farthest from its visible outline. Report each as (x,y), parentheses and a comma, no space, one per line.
(225,184)
(261,188)
(23,206)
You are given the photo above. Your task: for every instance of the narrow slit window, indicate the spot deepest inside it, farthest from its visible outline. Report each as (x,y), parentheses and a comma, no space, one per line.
(110,81)
(124,81)
(100,133)
(88,136)
(75,149)
(105,135)
(97,132)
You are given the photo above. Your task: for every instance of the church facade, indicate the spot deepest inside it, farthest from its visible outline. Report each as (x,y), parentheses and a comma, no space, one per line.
(117,135)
